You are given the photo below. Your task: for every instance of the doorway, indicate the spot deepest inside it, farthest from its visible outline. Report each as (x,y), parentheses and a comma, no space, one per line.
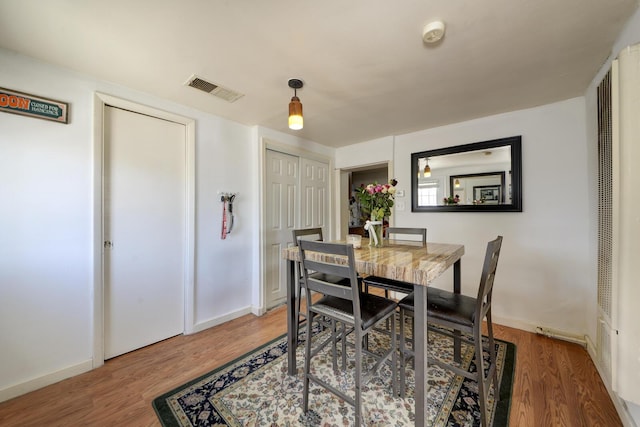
(144,229)
(144,224)
(352,217)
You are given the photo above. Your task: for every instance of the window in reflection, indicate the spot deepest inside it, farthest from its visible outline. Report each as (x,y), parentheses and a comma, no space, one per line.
(428,192)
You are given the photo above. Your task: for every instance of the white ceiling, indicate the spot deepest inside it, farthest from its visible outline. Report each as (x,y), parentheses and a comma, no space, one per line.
(366,70)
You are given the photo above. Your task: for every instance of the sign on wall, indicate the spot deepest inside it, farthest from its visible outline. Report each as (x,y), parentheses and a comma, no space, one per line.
(33,106)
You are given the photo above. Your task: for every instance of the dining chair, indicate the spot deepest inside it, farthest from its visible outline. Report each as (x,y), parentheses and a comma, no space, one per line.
(304,234)
(324,272)
(460,312)
(390,284)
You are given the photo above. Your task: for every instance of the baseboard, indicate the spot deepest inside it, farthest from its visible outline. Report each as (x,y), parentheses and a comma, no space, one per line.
(45,380)
(591,349)
(258,311)
(201,326)
(541,330)
(513,323)
(562,335)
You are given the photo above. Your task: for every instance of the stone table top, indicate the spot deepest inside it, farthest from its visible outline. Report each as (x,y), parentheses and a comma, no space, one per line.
(398,259)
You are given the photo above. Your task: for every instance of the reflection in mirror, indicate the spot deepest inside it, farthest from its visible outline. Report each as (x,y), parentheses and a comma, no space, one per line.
(484,176)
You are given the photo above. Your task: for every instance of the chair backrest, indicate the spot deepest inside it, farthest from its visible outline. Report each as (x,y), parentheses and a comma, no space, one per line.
(407,230)
(489,267)
(321,261)
(307,234)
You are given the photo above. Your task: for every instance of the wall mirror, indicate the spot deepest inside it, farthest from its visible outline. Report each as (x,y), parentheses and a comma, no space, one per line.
(480,177)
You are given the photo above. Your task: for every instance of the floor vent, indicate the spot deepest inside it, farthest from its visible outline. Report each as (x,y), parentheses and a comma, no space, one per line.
(214,89)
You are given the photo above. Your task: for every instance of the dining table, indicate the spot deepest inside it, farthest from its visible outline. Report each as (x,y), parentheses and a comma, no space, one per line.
(408,261)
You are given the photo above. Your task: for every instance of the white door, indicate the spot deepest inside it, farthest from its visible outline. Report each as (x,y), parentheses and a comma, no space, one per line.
(144,227)
(314,184)
(296,197)
(282,180)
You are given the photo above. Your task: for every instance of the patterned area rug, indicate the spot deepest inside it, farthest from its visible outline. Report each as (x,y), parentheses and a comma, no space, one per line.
(255,390)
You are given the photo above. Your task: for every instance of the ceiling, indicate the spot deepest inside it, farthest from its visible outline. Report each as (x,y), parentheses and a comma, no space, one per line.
(366,71)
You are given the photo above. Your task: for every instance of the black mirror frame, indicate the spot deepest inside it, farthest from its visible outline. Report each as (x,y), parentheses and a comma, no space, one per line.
(515,142)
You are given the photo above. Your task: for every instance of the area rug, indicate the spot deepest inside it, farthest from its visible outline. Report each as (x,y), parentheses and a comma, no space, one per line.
(255,390)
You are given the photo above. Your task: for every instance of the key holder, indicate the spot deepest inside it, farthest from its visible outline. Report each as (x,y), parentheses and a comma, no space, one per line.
(227,199)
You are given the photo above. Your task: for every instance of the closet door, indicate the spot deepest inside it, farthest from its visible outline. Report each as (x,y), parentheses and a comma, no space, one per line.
(144,230)
(314,188)
(296,196)
(282,178)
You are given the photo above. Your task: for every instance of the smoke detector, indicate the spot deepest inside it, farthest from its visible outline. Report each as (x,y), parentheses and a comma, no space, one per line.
(433,32)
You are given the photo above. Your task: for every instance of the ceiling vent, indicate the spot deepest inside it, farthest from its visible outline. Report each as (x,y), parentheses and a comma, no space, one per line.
(214,89)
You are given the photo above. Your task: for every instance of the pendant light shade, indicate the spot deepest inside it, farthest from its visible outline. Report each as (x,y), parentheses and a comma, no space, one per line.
(296,121)
(427,170)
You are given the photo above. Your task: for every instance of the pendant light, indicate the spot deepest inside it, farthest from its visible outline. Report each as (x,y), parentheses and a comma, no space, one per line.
(456,183)
(295,106)
(426,173)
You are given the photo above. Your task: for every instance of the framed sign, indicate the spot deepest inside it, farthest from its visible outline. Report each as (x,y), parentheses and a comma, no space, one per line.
(24,104)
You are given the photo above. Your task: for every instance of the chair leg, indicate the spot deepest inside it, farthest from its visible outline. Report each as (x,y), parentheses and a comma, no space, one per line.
(297,311)
(394,356)
(334,343)
(457,344)
(492,356)
(344,346)
(358,376)
(386,295)
(482,389)
(307,366)
(403,379)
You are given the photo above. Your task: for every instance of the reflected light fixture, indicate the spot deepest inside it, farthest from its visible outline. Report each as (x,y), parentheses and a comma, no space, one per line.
(296,121)
(456,183)
(426,173)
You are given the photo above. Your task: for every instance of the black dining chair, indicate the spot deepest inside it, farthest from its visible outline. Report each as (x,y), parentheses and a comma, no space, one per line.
(390,284)
(461,313)
(357,313)
(302,234)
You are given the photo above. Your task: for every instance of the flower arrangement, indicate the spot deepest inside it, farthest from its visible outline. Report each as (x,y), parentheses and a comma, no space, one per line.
(377,199)
(451,200)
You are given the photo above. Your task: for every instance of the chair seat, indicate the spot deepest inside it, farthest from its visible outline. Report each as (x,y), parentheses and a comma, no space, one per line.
(445,305)
(373,308)
(389,284)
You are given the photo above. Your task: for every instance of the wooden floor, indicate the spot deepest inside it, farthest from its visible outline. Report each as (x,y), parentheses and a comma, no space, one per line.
(556,383)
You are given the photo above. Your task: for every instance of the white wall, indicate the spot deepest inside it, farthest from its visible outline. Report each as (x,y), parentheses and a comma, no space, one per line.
(544,269)
(372,152)
(46,224)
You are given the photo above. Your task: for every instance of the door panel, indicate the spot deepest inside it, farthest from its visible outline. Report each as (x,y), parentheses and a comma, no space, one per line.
(282,196)
(315,184)
(145,221)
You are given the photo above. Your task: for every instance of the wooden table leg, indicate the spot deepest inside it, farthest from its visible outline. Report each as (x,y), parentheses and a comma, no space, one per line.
(292,322)
(420,348)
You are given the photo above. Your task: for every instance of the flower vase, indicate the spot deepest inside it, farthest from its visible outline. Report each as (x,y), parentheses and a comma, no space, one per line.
(375,228)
